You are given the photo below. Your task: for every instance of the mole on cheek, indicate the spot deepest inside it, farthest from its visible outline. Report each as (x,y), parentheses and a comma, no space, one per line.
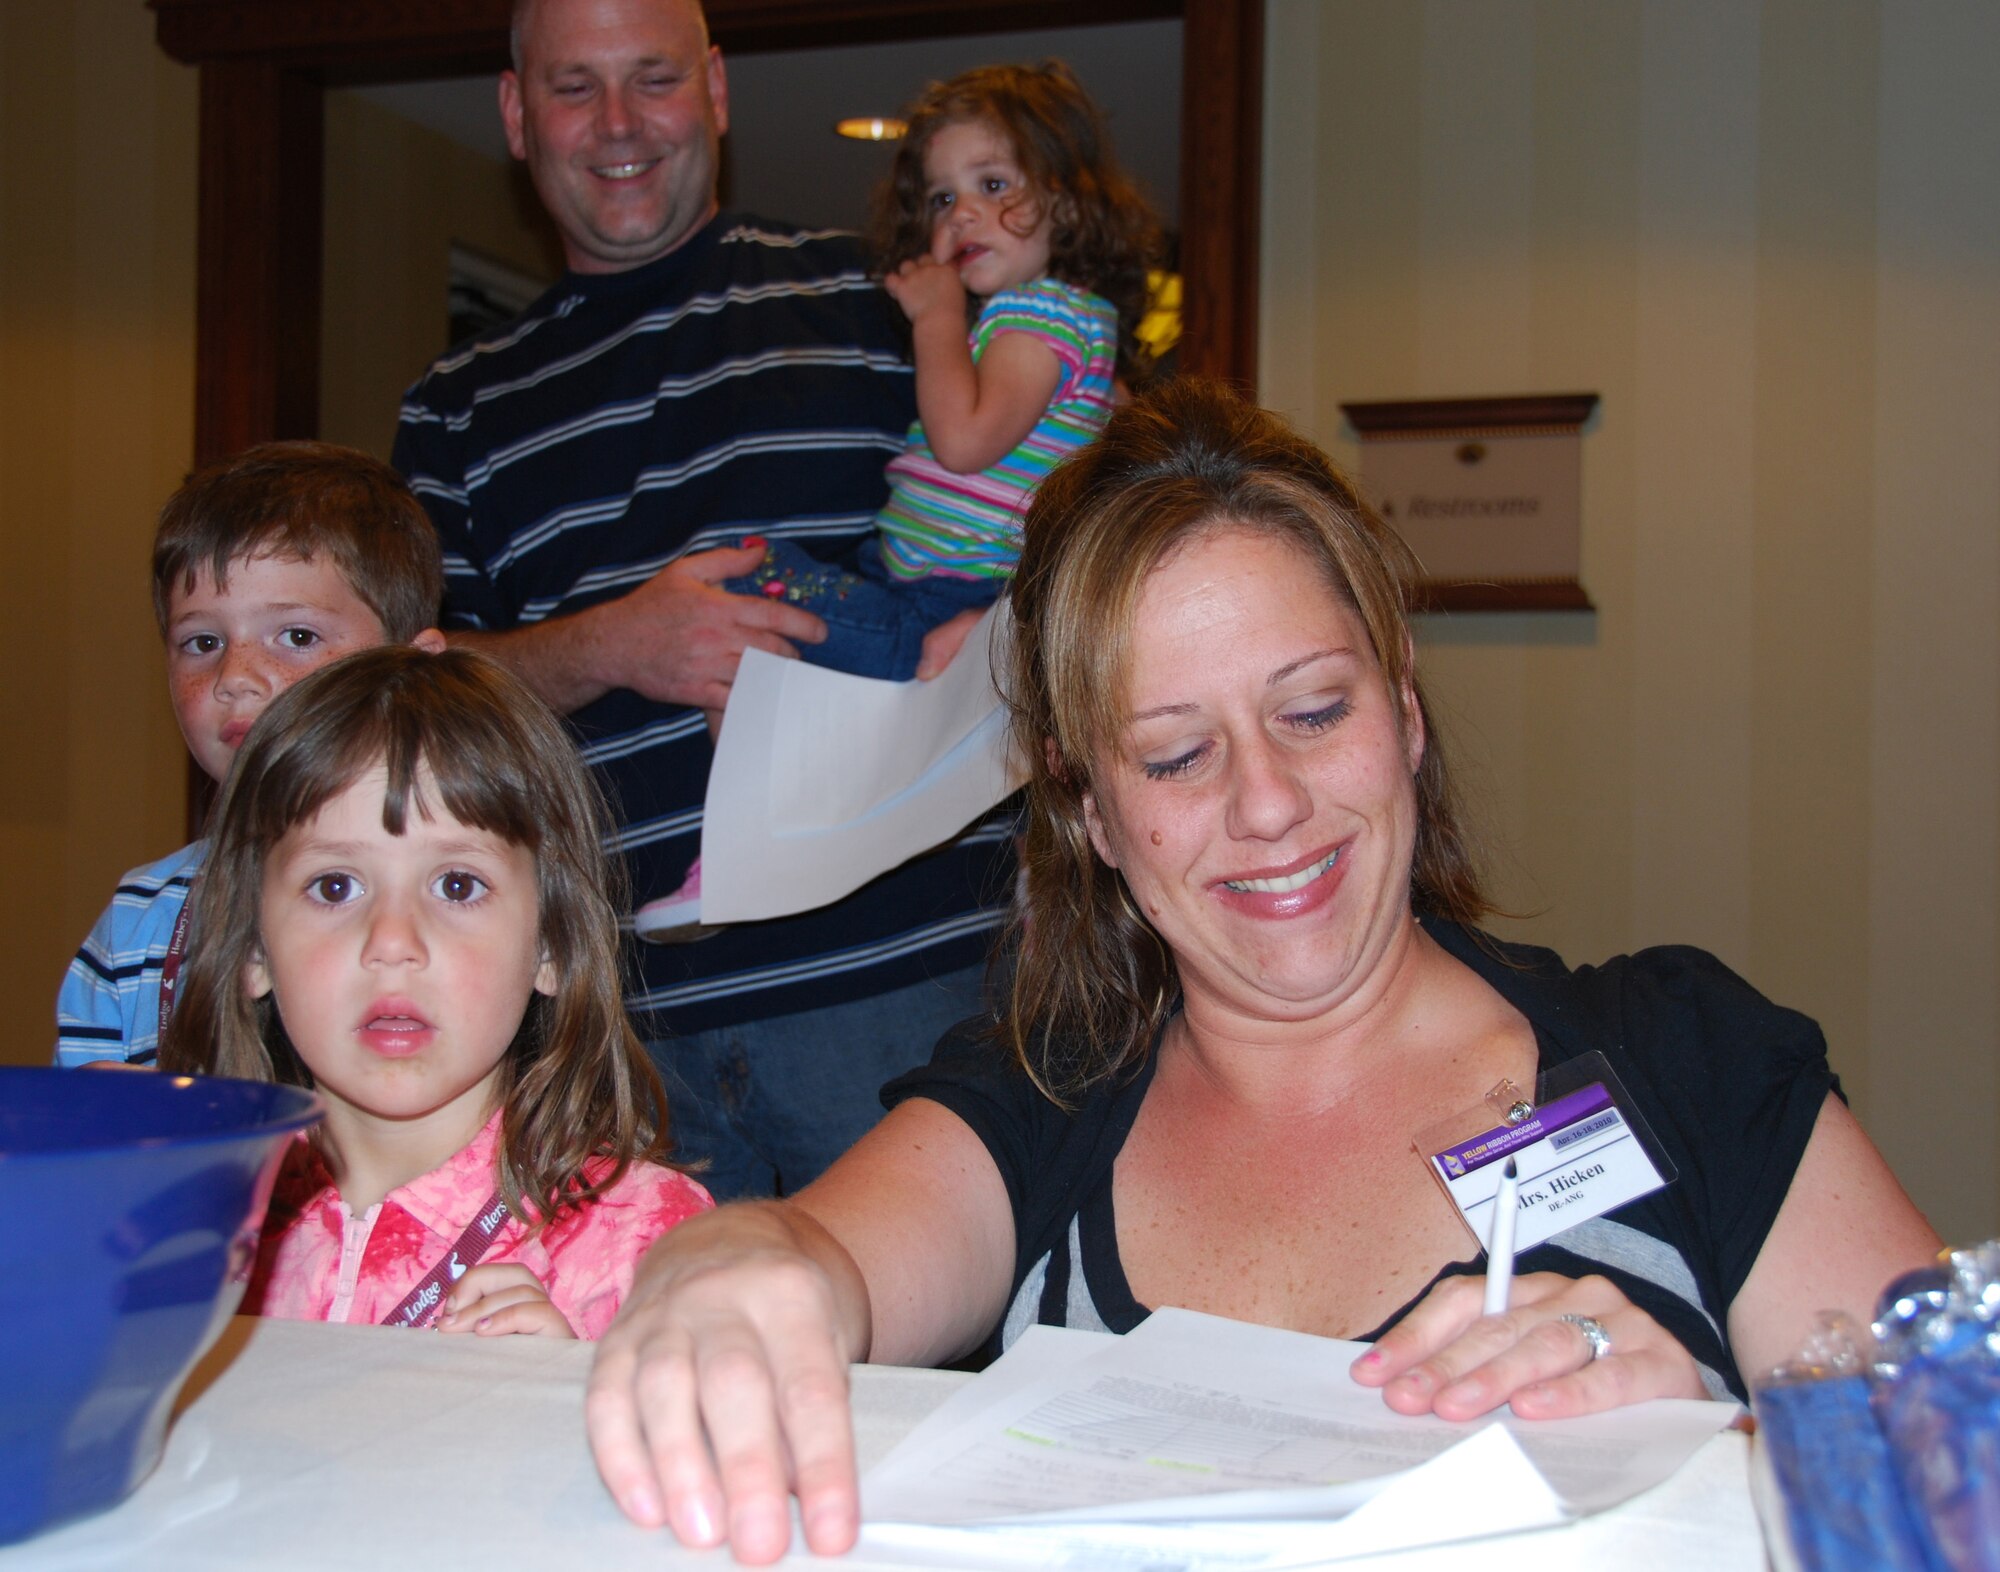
(1156,837)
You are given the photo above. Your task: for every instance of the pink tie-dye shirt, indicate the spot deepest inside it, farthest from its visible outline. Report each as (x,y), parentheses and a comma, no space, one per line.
(318,1261)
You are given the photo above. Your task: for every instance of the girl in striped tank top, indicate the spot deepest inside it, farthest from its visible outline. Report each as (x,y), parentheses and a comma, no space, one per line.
(1004,208)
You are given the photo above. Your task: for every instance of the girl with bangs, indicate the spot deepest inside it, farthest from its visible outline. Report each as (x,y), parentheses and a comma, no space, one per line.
(407,909)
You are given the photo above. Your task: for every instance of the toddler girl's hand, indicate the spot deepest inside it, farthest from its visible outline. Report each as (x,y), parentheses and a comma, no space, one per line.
(495,1300)
(923,288)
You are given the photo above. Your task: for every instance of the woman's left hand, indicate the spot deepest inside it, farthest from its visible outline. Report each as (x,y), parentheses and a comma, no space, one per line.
(495,1300)
(1448,1358)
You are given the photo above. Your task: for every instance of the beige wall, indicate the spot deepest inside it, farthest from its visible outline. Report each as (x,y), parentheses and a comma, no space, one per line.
(1767,234)
(397,197)
(97,237)
(97,251)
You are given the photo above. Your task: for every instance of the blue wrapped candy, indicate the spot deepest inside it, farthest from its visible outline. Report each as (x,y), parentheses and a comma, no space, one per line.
(1937,1398)
(1845,1506)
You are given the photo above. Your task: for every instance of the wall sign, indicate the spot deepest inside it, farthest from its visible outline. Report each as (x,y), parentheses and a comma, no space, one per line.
(1487,491)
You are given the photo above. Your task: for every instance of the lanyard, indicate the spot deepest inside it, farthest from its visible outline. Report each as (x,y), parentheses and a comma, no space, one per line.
(170,967)
(421,1304)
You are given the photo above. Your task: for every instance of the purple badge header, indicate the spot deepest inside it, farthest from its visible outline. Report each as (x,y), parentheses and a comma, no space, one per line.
(1491,1145)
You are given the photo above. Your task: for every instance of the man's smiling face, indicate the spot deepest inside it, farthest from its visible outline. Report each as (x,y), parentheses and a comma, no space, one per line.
(618,107)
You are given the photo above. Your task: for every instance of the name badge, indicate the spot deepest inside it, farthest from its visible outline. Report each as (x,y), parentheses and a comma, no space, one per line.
(1580,1150)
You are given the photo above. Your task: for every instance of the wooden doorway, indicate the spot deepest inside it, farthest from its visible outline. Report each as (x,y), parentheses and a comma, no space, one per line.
(265,64)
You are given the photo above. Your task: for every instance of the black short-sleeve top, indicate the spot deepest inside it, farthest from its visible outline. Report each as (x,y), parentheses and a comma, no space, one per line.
(1730,1083)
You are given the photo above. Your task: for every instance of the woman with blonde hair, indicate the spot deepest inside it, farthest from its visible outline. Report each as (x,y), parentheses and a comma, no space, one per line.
(1249,980)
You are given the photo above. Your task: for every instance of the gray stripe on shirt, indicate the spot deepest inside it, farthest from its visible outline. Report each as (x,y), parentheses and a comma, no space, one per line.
(1079,1310)
(1026,1308)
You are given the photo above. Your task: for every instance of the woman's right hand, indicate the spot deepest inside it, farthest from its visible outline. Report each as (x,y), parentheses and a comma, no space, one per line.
(721,1391)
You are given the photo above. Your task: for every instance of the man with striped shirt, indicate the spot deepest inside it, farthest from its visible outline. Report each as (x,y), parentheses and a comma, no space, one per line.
(693,378)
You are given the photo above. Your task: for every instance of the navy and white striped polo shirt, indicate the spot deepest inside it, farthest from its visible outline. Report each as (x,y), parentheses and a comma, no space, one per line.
(751,381)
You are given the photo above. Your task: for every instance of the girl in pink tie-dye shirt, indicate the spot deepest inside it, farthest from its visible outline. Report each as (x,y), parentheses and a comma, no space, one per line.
(406,908)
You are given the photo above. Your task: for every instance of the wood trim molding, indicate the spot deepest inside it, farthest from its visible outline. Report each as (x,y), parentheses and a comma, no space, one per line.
(1500,595)
(1470,416)
(257,271)
(407,35)
(749,25)
(264,63)
(1222,108)
(313,33)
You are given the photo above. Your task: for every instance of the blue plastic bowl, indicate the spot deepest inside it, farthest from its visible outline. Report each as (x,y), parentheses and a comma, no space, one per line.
(129,1210)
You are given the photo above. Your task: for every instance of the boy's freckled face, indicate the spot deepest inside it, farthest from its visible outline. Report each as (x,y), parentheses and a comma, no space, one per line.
(235,646)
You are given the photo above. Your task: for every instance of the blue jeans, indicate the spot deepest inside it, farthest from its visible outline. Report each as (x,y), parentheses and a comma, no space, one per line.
(770,1104)
(875,623)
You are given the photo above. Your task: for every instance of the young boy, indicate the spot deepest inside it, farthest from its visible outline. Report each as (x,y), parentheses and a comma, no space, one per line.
(266,566)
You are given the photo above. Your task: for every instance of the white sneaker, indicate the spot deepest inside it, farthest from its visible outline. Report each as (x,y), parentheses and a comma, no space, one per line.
(676,918)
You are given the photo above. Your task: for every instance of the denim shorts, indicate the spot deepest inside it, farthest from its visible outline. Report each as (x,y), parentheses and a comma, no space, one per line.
(875,624)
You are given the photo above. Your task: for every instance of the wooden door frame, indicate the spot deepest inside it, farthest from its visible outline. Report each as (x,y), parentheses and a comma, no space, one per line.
(265,65)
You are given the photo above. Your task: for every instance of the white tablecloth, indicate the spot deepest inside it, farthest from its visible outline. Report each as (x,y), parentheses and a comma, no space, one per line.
(308,1446)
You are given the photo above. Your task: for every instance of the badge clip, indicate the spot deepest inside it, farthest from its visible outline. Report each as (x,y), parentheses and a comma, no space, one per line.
(1509,1103)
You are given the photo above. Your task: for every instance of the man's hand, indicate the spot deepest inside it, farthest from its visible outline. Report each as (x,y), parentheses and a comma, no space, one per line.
(942,643)
(676,639)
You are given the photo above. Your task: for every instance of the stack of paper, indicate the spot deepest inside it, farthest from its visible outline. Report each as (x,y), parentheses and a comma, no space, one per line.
(1198,1443)
(822,781)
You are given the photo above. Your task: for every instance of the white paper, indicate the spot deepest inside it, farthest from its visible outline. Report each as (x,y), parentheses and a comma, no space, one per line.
(822,781)
(1039,1353)
(289,1424)
(1215,1443)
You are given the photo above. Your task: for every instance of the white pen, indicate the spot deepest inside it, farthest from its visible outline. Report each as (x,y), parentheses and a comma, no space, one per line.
(1500,1241)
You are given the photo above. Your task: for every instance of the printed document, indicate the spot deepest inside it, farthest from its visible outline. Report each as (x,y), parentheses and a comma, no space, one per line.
(1197,1442)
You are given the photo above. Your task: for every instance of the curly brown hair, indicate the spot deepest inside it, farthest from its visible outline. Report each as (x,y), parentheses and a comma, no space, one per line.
(1094,981)
(461,730)
(1103,236)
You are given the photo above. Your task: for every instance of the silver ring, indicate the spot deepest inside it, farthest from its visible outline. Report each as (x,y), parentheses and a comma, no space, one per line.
(1593,1332)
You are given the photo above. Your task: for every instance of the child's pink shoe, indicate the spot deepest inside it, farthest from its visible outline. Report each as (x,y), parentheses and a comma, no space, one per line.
(676,918)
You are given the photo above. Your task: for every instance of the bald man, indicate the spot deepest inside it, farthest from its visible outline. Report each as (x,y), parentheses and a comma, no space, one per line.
(694,378)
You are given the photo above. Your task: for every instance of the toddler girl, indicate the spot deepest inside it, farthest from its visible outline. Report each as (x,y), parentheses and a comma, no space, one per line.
(405,909)
(1003,191)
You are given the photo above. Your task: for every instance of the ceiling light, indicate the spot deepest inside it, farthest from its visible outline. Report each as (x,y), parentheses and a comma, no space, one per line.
(868,128)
